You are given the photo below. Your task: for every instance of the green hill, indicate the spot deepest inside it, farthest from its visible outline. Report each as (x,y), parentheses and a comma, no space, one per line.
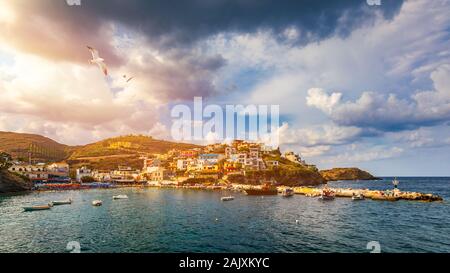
(41,148)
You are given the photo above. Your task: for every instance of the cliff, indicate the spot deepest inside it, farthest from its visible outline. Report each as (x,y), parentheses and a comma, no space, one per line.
(346,174)
(10,182)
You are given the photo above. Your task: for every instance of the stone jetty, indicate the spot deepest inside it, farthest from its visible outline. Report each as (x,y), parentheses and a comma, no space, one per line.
(390,195)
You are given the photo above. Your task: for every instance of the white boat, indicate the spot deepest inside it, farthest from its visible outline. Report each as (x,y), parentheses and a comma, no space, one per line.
(62,202)
(357,197)
(227,198)
(97,203)
(121,196)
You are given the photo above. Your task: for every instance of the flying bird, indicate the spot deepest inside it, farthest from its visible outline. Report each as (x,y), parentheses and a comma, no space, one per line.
(129,79)
(97,60)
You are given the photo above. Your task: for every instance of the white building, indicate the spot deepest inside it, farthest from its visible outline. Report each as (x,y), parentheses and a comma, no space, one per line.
(155,173)
(83,172)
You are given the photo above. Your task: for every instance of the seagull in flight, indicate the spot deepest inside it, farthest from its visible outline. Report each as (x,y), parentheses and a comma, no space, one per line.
(129,79)
(97,60)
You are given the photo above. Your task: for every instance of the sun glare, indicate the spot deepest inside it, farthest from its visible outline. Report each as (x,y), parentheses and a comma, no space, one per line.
(6,13)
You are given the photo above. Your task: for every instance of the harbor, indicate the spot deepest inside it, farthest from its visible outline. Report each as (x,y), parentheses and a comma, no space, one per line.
(168,219)
(394,194)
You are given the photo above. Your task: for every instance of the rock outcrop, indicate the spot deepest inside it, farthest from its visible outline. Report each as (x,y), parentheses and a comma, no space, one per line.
(346,174)
(10,182)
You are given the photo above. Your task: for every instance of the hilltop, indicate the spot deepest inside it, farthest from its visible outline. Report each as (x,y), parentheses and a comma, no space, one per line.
(123,150)
(19,146)
(346,174)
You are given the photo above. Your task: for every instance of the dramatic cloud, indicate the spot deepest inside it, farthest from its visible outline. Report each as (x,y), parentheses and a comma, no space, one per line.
(388,112)
(352,80)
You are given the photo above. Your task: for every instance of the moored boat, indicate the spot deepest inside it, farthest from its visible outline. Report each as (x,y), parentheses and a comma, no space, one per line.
(121,196)
(327,195)
(287,192)
(227,198)
(35,208)
(357,197)
(62,202)
(97,203)
(266,189)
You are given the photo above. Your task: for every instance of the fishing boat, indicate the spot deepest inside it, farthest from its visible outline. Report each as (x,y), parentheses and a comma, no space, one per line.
(287,192)
(121,196)
(62,202)
(97,203)
(39,207)
(327,195)
(227,198)
(266,189)
(357,197)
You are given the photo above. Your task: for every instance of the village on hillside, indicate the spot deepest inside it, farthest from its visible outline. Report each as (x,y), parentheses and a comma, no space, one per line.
(237,161)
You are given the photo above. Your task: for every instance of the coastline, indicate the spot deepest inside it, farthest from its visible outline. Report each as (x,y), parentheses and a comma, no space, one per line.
(308,191)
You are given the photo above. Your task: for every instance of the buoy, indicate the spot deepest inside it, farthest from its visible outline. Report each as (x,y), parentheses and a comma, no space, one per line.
(296,221)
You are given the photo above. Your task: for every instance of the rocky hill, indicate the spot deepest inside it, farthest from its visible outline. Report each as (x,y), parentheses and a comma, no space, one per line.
(336,174)
(10,182)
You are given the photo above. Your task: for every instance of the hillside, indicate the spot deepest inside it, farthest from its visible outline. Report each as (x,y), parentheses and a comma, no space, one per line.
(109,153)
(105,154)
(346,174)
(42,149)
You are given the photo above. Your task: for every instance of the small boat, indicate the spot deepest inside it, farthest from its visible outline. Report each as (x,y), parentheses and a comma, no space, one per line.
(62,202)
(121,196)
(266,189)
(327,195)
(40,207)
(97,203)
(358,197)
(227,198)
(287,192)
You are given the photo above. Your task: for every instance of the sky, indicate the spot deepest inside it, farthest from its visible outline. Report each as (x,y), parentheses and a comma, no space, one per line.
(357,85)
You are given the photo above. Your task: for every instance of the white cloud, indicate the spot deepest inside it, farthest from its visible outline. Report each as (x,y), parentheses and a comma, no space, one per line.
(319,99)
(363,154)
(328,134)
(388,112)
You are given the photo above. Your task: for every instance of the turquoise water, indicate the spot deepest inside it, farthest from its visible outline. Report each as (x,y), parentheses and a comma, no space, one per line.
(175,220)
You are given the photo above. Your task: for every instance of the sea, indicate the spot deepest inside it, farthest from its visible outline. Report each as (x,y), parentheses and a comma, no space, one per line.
(157,220)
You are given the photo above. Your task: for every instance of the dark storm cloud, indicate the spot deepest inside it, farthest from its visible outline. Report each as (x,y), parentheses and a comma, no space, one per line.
(55,29)
(180,22)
